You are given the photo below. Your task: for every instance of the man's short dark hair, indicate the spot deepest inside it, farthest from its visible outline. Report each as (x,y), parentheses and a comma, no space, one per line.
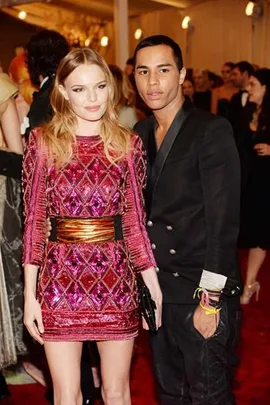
(45,50)
(244,66)
(155,40)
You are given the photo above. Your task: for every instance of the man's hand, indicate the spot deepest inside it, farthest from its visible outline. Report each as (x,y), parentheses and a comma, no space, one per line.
(48,228)
(206,325)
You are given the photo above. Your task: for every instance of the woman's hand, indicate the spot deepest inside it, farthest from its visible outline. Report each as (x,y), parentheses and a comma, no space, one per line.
(33,318)
(262,149)
(151,281)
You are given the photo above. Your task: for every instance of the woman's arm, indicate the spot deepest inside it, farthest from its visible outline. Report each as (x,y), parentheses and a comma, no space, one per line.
(11,127)
(32,310)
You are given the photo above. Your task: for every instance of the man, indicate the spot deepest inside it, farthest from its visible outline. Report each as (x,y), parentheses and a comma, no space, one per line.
(203,93)
(240,115)
(192,201)
(45,51)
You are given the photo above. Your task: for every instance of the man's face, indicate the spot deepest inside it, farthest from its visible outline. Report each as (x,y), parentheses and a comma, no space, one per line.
(157,77)
(237,78)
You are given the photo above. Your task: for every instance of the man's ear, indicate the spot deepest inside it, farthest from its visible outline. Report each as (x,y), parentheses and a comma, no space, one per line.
(182,75)
(63,91)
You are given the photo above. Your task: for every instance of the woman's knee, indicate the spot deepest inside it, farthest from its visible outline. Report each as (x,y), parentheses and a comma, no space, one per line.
(116,396)
(67,397)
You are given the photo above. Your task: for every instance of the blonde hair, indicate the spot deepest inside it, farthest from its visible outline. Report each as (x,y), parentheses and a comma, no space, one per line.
(59,134)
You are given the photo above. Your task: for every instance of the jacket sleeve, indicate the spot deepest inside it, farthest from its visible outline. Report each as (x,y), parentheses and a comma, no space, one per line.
(134,230)
(220,178)
(34,201)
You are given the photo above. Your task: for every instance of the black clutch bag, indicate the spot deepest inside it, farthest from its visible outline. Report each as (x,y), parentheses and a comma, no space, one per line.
(147,306)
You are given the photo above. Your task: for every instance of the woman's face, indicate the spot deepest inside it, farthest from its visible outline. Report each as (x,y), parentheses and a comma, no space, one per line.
(188,88)
(86,90)
(256,90)
(226,73)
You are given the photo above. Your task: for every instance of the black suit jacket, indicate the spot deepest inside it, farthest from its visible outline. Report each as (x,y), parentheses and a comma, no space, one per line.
(41,110)
(192,200)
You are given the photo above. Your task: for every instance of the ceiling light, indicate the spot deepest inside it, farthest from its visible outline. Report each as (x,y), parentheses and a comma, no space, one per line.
(22,15)
(138,34)
(104,41)
(254,9)
(87,42)
(186,22)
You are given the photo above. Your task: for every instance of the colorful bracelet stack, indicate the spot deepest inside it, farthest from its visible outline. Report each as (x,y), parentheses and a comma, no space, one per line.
(210,301)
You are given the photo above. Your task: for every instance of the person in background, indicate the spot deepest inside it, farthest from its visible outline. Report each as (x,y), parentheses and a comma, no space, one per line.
(11,288)
(203,93)
(124,97)
(45,50)
(129,67)
(240,114)
(222,95)
(86,172)
(188,89)
(19,74)
(256,199)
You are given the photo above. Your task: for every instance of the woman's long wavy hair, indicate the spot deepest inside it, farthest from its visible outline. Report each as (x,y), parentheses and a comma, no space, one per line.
(59,134)
(263,76)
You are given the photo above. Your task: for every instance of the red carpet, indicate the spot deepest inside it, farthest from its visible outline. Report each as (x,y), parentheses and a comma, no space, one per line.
(252,385)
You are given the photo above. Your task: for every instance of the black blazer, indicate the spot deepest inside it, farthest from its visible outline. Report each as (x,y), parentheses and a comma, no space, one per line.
(40,109)
(192,201)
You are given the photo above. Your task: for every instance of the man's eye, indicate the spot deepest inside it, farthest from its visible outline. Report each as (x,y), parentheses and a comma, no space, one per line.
(143,72)
(164,70)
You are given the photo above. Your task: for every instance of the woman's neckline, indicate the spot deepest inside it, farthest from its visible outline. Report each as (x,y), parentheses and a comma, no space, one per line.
(87,136)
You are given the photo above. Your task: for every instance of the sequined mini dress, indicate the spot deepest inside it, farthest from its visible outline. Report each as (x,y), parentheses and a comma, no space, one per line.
(87,291)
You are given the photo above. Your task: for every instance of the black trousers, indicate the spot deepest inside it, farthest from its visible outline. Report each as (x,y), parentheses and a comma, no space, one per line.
(189,368)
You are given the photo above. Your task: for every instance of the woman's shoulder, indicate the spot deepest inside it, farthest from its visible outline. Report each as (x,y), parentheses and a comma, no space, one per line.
(7,88)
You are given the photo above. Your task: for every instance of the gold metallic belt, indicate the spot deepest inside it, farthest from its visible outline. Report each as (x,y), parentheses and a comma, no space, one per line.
(86,230)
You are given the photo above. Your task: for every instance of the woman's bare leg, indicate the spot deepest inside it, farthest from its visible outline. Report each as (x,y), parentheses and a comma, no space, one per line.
(64,360)
(115,369)
(256,258)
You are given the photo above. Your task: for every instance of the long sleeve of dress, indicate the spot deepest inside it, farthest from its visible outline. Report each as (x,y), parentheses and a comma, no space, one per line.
(34,201)
(134,230)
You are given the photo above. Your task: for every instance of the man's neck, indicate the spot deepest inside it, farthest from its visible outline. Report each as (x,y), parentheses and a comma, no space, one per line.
(165,116)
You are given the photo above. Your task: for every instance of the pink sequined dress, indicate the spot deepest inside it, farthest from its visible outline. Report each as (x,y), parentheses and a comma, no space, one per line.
(87,291)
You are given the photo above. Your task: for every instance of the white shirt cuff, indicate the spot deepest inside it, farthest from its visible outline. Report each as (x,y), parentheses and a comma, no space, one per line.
(212,281)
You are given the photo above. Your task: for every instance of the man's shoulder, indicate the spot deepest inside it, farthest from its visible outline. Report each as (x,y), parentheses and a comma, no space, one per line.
(144,123)
(204,119)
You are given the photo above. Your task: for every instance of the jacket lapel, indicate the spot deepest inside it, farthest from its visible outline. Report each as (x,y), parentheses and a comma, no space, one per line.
(166,145)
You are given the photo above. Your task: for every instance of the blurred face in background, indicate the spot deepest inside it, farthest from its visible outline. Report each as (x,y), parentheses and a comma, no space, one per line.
(256,90)
(238,78)
(201,80)
(226,73)
(188,89)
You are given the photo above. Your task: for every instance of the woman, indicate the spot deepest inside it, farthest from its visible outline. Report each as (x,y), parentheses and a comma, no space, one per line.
(11,289)
(256,222)
(86,172)
(124,97)
(188,89)
(222,95)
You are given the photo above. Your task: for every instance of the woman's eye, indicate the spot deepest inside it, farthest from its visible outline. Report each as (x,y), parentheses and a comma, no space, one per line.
(78,90)
(102,86)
